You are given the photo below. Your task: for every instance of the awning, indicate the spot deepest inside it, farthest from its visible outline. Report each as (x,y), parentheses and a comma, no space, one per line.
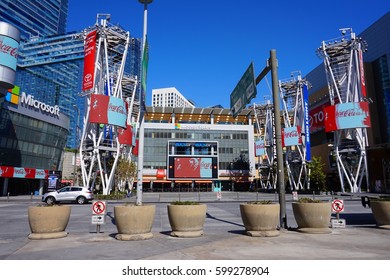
(203,182)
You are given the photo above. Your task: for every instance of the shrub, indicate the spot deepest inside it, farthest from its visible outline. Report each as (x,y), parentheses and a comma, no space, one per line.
(184,203)
(308,200)
(261,202)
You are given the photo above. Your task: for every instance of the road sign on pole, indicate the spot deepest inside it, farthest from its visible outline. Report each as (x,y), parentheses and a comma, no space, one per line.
(244,91)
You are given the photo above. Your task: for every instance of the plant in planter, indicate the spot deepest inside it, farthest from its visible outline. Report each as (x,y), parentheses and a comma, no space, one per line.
(381,210)
(187,218)
(134,222)
(260,218)
(48,221)
(312,216)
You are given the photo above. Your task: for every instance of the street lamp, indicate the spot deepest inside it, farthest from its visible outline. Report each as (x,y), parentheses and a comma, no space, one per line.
(76,145)
(141,108)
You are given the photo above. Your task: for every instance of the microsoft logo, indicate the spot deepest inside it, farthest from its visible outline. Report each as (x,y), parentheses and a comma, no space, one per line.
(177,125)
(13,95)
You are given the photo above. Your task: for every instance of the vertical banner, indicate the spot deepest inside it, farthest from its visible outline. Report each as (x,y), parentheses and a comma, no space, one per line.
(347,115)
(125,135)
(99,108)
(259,148)
(361,70)
(305,98)
(291,136)
(89,60)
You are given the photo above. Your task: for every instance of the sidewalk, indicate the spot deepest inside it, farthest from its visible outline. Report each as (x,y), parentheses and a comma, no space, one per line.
(224,238)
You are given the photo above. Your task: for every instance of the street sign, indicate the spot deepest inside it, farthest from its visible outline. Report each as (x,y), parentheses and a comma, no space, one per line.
(338,223)
(338,205)
(98,207)
(244,91)
(98,219)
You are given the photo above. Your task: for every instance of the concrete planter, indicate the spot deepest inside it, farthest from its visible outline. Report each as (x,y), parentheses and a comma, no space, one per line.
(134,222)
(260,220)
(381,211)
(47,222)
(187,220)
(312,217)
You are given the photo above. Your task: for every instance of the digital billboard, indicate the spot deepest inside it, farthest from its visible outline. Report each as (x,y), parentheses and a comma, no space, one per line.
(192,167)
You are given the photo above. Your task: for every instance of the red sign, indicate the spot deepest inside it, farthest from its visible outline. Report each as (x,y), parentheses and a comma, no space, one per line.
(89,60)
(338,205)
(160,174)
(99,108)
(125,135)
(21,172)
(98,207)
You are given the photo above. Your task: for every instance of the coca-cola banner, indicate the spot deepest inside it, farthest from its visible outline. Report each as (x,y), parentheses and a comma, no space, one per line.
(160,174)
(89,60)
(125,135)
(8,52)
(192,167)
(291,136)
(347,115)
(107,110)
(21,172)
(259,148)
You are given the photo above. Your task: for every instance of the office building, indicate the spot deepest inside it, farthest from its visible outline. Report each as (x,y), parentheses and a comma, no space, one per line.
(170,97)
(35,18)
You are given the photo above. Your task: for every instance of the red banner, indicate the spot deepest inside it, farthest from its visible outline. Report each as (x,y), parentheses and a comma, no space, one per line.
(125,135)
(99,108)
(21,172)
(89,60)
(160,174)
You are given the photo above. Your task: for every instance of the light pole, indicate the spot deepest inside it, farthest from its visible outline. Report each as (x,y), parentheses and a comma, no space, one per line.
(141,108)
(76,145)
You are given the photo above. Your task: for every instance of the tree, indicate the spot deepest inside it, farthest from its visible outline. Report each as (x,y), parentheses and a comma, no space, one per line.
(125,173)
(317,175)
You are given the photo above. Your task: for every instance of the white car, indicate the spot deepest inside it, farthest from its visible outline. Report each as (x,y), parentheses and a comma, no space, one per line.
(77,194)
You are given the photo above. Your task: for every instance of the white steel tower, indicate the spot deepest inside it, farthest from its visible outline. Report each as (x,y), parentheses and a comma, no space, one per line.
(111,103)
(347,116)
(293,94)
(265,145)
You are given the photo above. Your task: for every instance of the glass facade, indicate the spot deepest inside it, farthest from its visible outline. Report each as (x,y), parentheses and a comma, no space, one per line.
(35,18)
(30,142)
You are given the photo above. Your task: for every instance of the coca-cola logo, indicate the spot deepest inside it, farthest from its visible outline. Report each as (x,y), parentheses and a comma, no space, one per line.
(259,146)
(7,49)
(117,109)
(349,113)
(291,134)
(205,165)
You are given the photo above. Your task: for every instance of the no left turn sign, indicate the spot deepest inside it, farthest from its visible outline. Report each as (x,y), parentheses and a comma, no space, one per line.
(98,207)
(338,205)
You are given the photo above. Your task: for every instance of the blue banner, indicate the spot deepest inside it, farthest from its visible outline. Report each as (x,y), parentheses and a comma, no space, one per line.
(307,123)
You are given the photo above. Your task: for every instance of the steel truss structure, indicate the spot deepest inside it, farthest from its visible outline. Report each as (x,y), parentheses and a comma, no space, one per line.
(100,149)
(293,115)
(343,62)
(264,114)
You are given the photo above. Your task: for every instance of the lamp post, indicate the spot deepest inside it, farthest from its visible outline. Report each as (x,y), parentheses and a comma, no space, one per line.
(76,145)
(141,109)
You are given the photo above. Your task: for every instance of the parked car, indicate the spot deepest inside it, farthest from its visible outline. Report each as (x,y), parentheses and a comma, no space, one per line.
(77,194)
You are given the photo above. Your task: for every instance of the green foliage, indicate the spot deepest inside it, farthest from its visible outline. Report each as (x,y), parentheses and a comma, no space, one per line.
(261,202)
(111,196)
(184,203)
(308,200)
(317,174)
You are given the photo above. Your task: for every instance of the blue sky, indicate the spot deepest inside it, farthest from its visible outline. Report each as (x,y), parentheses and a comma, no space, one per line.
(203,47)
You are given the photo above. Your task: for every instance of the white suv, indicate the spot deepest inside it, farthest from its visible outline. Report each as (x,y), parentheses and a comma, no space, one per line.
(77,194)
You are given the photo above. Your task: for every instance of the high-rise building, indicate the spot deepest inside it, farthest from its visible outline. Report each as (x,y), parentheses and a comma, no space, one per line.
(35,18)
(170,97)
